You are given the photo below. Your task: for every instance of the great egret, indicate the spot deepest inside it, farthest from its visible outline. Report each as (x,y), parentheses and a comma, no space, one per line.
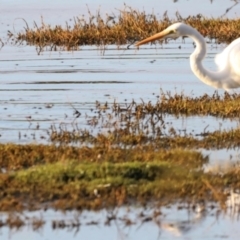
(228,75)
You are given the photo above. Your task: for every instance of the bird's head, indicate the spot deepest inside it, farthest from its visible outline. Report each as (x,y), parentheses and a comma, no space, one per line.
(174,31)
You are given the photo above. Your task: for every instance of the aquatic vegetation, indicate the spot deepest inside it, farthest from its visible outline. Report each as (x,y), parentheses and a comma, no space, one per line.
(226,106)
(93,178)
(132,124)
(126,28)
(16,157)
(128,154)
(108,180)
(173,138)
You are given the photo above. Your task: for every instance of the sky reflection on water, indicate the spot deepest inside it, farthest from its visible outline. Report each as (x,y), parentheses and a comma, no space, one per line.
(175,222)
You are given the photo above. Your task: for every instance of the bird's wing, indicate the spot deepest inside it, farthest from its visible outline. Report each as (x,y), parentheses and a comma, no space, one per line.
(219,60)
(222,59)
(229,56)
(229,64)
(234,59)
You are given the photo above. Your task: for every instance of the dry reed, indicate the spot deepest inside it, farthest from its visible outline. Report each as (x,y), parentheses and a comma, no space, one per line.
(126,28)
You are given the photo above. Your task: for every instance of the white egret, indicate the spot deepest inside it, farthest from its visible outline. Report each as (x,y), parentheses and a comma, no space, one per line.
(228,75)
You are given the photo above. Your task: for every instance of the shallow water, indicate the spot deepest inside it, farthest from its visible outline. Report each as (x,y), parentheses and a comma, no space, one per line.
(39,91)
(177,221)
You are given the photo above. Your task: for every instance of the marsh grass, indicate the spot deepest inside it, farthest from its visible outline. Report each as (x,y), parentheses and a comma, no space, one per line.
(67,177)
(16,157)
(72,183)
(224,106)
(219,139)
(143,123)
(113,179)
(134,158)
(128,27)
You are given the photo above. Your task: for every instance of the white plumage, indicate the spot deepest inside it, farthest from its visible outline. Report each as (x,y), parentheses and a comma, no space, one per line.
(228,74)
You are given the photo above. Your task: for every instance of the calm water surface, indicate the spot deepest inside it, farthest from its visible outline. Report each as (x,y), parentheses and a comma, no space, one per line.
(42,90)
(172,223)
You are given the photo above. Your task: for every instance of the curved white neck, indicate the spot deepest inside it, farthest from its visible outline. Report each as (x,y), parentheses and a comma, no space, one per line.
(215,79)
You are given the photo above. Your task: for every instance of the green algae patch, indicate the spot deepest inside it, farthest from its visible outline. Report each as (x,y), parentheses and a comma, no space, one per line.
(130,175)
(97,181)
(118,177)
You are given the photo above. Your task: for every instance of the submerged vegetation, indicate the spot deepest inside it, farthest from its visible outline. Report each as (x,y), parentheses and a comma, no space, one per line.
(126,28)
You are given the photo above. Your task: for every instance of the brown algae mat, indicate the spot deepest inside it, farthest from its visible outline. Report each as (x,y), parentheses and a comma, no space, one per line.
(134,159)
(126,28)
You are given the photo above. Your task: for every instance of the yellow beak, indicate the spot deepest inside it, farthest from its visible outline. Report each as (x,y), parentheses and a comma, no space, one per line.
(157,36)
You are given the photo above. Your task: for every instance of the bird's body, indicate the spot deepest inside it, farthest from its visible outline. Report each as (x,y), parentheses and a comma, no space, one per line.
(228,75)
